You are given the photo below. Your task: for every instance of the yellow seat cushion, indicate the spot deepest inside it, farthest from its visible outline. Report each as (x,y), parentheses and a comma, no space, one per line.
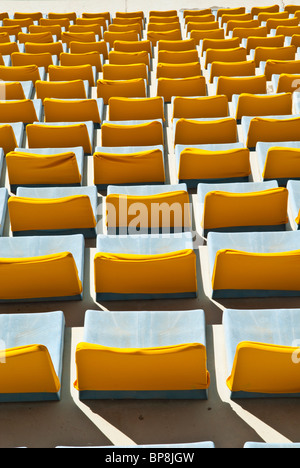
(145,166)
(250,104)
(204,164)
(121,88)
(28,369)
(85,110)
(18,111)
(56,136)
(243,68)
(165,210)
(238,54)
(8,140)
(237,270)
(179,367)
(264,368)
(169,273)
(145,134)
(60,89)
(229,85)
(22,73)
(278,67)
(136,109)
(37,169)
(19,59)
(33,214)
(282,163)
(264,129)
(47,276)
(192,132)
(182,70)
(266,208)
(69,73)
(202,107)
(191,86)
(88,58)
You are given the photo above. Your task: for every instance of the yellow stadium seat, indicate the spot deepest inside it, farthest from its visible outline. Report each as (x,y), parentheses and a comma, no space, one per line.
(198,36)
(246,207)
(268,41)
(20,59)
(133,47)
(122,73)
(232,25)
(127,58)
(110,37)
(12,91)
(264,16)
(35,16)
(141,134)
(230,11)
(53,48)
(242,33)
(94,28)
(245,68)
(80,72)
(155,36)
(208,166)
(176,46)
(202,26)
(60,89)
(18,111)
(101,21)
(62,22)
(40,38)
(239,54)
(205,11)
(197,132)
(181,57)
(37,169)
(59,136)
(22,23)
(272,129)
(8,48)
(22,73)
(273,104)
(54,29)
(87,58)
(281,66)
(243,17)
(151,108)
(183,70)
(140,167)
(85,47)
(127,88)
(70,15)
(199,107)
(255,10)
(169,87)
(67,37)
(7,138)
(220,44)
(288,83)
(274,23)
(78,110)
(262,54)
(126,28)
(162,13)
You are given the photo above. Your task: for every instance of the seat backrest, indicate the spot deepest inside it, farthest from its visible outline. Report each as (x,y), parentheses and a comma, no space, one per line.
(59,136)
(128,88)
(18,111)
(80,72)
(136,109)
(42,169)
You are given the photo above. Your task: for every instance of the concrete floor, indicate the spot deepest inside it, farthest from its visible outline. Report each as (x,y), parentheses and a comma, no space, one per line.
(70,422)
